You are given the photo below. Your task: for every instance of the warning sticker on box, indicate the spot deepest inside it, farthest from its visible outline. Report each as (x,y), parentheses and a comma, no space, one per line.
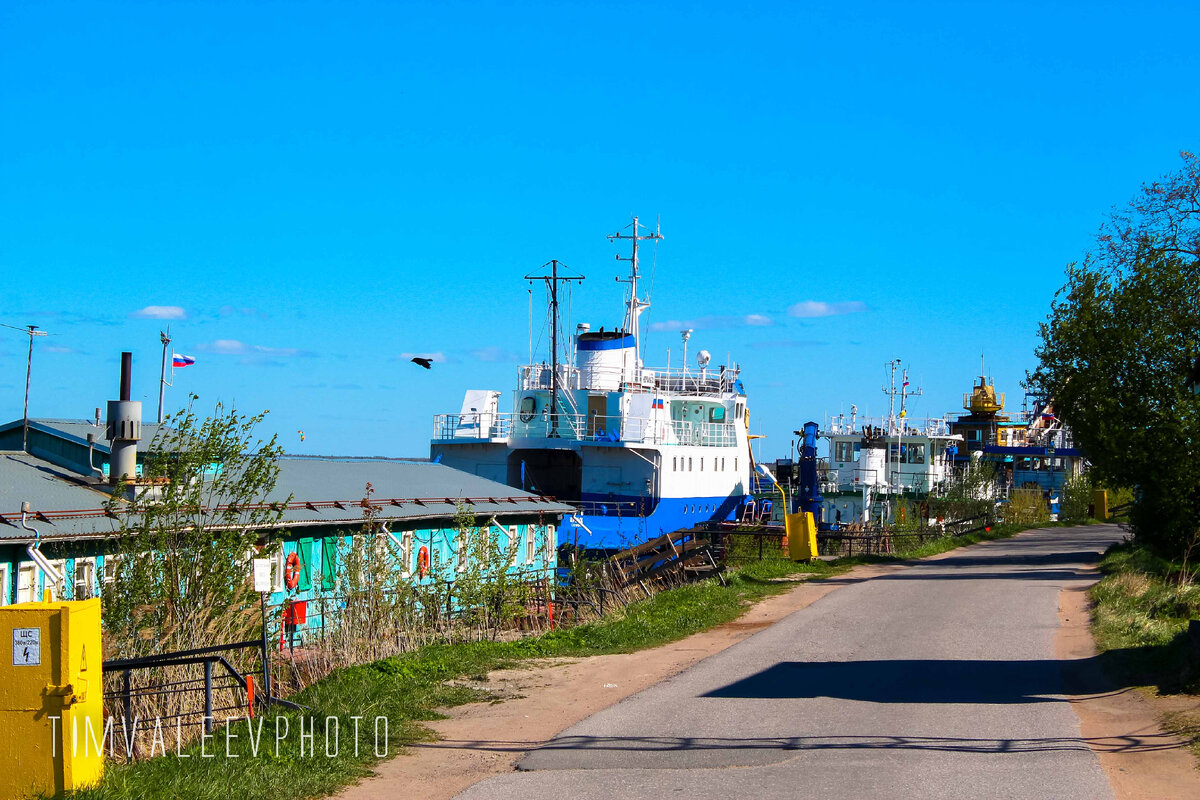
(27,647)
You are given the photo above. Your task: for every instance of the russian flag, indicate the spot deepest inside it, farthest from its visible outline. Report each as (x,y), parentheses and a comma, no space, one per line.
(658,403)
(178,360)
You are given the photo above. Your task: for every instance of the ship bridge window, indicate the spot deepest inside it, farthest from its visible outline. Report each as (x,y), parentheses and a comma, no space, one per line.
(845,451)
(716,414)
(916,453)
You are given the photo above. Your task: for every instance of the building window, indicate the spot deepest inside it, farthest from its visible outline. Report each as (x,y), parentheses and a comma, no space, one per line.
(406,553)
(689,463)
(25,583)
(85,578)
(530,544)
(5,586)
(551,547)
(514,542)
(112,563)
(277,567)
(458,549)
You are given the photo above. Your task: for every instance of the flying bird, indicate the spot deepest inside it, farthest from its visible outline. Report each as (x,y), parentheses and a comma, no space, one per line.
(424,362)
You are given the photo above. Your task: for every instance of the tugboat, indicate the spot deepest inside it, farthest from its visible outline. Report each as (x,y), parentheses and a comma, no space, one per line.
(639,452)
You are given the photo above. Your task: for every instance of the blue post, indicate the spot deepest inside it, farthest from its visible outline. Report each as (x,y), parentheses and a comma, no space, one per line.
(810,498)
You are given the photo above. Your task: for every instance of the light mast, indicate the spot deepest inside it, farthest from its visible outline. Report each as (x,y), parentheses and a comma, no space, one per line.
(634,307)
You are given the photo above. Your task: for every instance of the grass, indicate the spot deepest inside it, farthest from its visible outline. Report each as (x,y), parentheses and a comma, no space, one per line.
(1140,615)
(407,689)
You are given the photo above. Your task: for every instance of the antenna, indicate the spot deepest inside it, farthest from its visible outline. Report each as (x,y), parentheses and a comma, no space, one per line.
(31,331)
(165,338)
(634,306)
(552,280)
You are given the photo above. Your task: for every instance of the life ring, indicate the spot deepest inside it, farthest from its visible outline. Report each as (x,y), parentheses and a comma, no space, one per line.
(291,571)
(423,561)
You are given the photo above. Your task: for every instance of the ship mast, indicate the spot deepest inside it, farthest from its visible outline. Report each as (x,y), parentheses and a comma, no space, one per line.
(634,307)
(552,281)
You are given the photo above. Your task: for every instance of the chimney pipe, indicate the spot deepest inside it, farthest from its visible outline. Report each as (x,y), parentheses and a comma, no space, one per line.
(124,427)
(126,375)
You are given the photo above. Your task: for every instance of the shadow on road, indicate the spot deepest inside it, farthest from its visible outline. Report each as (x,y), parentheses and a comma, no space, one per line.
(667,744)
(904,681)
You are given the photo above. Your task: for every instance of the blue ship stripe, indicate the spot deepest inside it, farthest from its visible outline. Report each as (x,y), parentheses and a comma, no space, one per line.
(605,344)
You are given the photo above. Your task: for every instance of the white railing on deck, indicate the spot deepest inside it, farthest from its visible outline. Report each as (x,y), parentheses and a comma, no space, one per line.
(582,428)
(934,426)
(535,377)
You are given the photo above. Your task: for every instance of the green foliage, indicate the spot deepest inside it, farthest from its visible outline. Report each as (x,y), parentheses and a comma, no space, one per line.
(186,533)
(1076,498)
(1117,347)
(1141,612)
(1026,507)
(970,495)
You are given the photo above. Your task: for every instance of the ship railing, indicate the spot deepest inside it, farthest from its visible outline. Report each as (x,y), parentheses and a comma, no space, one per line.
(911,426)
(690,381)
(533,377)
(472,426)
(616,429)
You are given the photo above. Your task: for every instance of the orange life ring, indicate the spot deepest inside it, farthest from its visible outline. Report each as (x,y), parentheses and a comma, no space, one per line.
(291,571)
(423,561)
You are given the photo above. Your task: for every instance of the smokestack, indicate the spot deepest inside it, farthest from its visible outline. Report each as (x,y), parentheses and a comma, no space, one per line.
(124,427)
(126,375)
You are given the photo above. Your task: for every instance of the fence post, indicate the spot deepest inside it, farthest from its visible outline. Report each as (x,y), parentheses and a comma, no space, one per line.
(127,687)
(208,695)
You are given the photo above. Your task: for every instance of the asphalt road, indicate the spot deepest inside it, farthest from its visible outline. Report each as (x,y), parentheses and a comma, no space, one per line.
(933,681)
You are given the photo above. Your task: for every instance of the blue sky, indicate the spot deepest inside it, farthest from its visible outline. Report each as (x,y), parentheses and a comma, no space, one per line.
(314,189)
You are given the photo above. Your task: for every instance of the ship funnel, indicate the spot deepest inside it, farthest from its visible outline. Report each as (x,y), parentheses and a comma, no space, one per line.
(124,428)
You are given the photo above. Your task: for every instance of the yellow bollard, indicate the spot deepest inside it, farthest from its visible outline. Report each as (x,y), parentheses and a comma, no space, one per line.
(51,698)
(1100,504)
(801,532)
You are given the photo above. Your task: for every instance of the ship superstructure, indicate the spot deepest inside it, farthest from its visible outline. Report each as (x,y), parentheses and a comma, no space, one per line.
(638,451)
(874,459)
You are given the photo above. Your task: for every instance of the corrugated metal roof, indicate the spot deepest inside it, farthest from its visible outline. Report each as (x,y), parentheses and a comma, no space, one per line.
(324,491)
(76,430)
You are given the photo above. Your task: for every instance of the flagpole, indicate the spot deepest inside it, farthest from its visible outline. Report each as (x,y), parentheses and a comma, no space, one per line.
(162,378)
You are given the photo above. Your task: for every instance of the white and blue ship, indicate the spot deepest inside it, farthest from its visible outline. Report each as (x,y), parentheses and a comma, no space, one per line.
(638,452)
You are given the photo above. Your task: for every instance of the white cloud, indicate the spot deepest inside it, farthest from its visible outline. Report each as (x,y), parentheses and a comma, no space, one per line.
(228,347)
(281,352)
(257,353)
(819,308)
(711,322)
(160,312)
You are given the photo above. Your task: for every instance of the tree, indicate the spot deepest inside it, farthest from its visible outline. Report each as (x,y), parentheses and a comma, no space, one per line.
(186,532)
(1115,351)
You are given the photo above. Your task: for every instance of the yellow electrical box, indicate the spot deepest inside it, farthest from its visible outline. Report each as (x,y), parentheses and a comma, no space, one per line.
(801,532)
(1100,504)
(51,698)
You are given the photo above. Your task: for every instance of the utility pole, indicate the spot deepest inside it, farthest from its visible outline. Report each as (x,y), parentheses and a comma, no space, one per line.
(165,338)
(30,331)
(552,280)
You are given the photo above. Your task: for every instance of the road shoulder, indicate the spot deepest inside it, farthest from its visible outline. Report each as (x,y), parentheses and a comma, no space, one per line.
(1120,724)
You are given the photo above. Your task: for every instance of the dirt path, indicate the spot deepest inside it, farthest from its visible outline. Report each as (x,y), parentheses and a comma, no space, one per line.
(484,739)
(1140,761)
